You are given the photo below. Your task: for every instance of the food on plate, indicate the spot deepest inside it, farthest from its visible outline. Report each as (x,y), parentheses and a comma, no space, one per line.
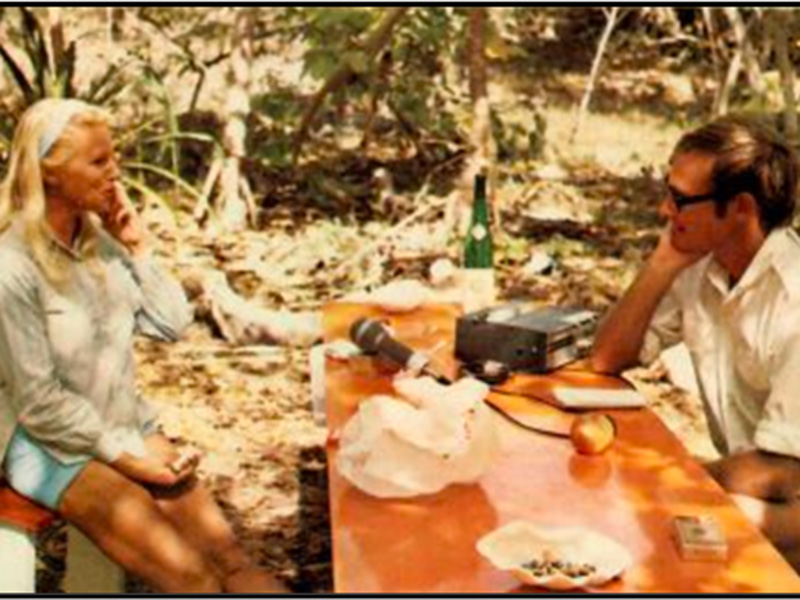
(549,567)
(556,558)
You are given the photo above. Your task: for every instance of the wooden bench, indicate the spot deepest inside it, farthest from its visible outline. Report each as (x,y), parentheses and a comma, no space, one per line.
(21,523)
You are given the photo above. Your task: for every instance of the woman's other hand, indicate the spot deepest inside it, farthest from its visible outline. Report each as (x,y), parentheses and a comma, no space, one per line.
(151,471)
(123,222)
(181,461)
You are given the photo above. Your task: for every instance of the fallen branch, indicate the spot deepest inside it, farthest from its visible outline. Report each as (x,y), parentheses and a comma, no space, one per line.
(243,322)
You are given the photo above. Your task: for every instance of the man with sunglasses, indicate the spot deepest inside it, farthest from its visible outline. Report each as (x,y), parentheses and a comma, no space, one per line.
(725,280)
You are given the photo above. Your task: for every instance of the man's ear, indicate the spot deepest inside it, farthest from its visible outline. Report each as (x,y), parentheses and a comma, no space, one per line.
(745,206)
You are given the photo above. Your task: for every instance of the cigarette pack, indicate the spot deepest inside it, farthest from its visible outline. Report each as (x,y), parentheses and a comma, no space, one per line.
(700,538)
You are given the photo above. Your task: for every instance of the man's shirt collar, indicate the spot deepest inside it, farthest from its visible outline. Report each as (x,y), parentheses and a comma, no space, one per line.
(779,253)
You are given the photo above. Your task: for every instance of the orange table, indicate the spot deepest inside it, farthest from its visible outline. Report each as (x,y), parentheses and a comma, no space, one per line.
(631,493)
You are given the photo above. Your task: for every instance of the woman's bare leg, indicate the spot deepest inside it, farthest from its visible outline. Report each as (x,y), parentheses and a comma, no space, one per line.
(197,516)
(124,520)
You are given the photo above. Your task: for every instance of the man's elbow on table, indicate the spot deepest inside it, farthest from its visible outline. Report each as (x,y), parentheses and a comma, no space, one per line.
(605,360)
(762,475)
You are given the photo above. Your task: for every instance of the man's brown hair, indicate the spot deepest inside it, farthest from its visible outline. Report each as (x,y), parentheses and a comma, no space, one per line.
(750,157)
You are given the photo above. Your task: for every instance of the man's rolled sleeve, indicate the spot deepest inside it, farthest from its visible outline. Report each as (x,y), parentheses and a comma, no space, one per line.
(778,438)
(664,330)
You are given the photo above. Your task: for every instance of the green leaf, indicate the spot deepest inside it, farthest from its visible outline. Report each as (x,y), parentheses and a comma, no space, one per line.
(358,62)
(320,64)
(353,18)
(277,152)
(280,106)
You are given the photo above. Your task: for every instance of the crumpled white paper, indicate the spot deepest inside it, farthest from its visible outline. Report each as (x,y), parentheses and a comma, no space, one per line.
(432,436)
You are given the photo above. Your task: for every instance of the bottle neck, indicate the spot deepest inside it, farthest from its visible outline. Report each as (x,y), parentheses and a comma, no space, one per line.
(480,204)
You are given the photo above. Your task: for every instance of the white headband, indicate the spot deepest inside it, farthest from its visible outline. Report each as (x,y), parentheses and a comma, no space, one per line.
(58,123)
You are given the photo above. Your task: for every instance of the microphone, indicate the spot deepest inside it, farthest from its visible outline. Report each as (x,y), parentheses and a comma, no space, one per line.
(374,338)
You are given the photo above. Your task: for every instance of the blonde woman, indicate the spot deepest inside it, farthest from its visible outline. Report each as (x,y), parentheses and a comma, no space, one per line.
(76,283)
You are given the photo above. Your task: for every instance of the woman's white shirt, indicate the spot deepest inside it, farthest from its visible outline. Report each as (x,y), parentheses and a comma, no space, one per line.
(66,355)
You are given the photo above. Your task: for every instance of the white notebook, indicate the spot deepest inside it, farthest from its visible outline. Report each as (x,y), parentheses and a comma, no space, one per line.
(570,397)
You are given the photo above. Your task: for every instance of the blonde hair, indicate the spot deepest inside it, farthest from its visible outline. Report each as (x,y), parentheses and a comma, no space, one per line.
(47,127)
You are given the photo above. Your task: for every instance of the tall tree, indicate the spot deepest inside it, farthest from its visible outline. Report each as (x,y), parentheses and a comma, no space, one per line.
(612,16)
(743,58)
(234,201)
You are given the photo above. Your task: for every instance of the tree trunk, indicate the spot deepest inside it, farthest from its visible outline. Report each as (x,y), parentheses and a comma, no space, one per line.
(714,41)
(233,202)
(478,87)
(777,22)
(744,56)
(115,17)
(611,21)
(742,31)
(481,134)
(379,87)
(722,97)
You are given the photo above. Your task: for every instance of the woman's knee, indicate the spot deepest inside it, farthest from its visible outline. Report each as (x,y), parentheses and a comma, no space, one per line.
(171,562)
(96,494)
(123,519)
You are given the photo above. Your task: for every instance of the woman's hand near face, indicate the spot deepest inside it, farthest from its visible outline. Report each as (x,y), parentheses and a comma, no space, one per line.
(123,222)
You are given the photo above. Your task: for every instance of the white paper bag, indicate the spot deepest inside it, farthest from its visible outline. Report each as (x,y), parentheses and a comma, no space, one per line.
(430,437)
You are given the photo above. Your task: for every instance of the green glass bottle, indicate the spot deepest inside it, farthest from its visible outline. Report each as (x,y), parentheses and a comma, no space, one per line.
(478,249)
(478,284)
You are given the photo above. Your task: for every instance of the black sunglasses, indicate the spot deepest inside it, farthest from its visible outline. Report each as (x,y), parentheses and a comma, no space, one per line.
(681,201)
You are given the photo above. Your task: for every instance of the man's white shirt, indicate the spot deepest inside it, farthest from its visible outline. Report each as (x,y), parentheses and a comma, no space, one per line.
(745,345)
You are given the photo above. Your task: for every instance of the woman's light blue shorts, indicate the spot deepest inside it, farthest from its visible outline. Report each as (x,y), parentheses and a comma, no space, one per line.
(34,473)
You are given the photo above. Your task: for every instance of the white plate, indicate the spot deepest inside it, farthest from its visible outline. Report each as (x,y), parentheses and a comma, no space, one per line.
(520,542)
